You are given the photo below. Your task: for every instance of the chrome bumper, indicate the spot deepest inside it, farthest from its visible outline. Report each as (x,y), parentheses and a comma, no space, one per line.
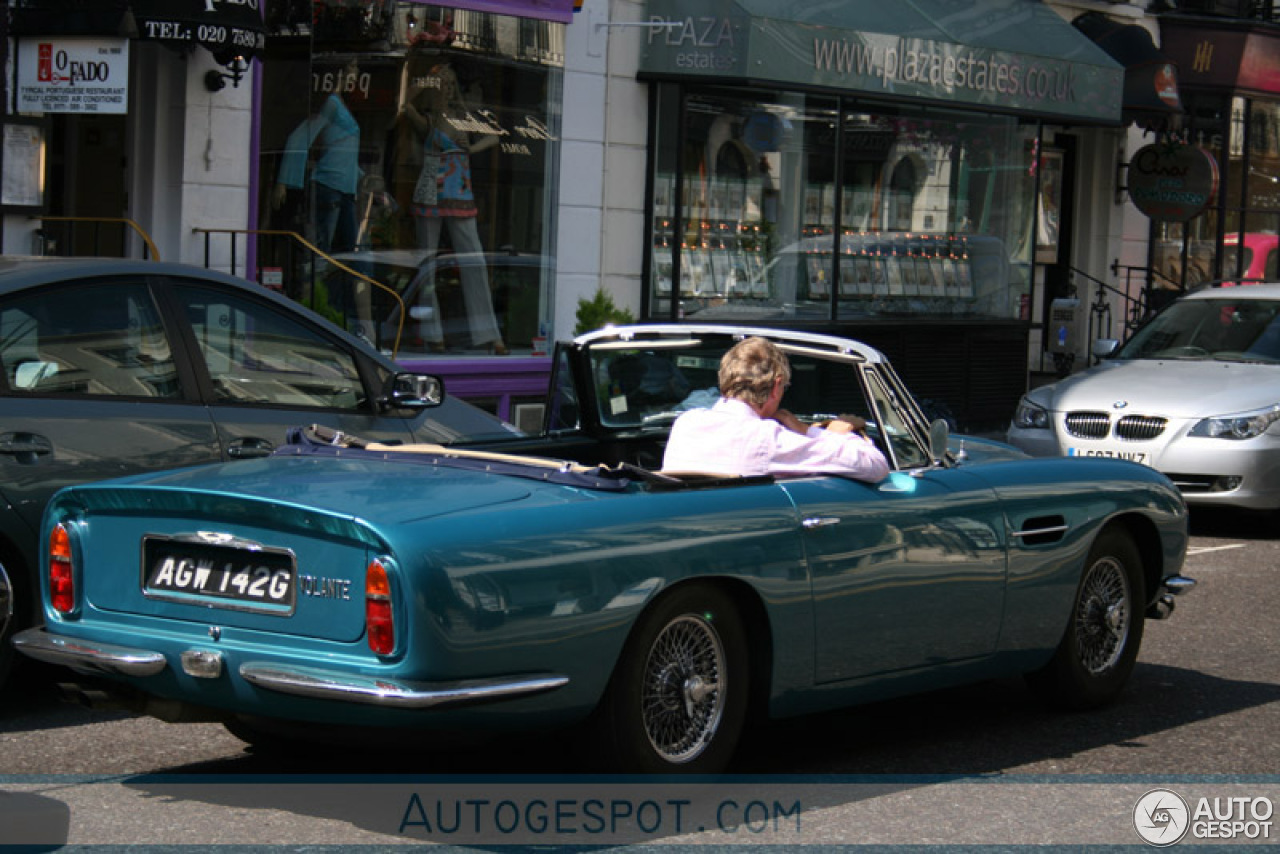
(371,690)
(86,655)
(1174,585)
(308,682)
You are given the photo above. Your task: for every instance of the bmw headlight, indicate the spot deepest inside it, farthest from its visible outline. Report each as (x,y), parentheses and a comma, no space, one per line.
(1244,425)
(1030,416)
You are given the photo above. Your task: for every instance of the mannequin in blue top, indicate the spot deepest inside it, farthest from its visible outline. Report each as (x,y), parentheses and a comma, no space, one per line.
(335,176)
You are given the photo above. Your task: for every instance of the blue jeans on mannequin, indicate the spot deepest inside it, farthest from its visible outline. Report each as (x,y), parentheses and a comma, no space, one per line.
(335,219)
(465,238)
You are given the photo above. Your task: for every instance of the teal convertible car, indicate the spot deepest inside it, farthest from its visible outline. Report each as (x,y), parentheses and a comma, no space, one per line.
(562,578)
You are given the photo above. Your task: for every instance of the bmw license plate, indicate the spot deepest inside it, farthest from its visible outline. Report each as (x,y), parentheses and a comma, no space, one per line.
(1111,453)
(237,575)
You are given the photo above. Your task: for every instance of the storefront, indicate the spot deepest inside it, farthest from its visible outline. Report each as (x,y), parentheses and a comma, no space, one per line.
(417,145)
(1230,73)
(880,174)
(95,91)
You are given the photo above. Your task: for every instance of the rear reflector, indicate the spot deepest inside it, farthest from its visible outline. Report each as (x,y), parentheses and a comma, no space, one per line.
(377,610)
(62,589)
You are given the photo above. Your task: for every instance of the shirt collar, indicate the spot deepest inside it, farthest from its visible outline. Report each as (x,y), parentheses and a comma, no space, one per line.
(734,405)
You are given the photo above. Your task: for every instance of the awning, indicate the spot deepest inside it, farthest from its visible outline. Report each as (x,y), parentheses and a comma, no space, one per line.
(227,29)
(1150,77)
(1015,56)
(1226,55)
(546,10)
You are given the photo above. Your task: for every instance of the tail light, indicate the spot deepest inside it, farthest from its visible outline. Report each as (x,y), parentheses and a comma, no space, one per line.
(379,623)
(62,587)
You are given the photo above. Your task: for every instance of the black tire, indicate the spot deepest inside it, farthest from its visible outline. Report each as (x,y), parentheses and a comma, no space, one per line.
(678,696)
(13,610)
(1100,646)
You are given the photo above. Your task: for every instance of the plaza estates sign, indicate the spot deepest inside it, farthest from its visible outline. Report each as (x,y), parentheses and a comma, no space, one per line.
(1172,181)
(1013,55)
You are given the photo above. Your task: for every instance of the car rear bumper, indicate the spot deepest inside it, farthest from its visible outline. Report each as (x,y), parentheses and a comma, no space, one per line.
(312,683)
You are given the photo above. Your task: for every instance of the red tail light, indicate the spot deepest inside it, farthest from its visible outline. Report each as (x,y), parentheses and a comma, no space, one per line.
(62,588)
(377,609)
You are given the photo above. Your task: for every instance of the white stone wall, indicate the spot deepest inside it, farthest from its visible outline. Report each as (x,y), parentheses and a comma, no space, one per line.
(603,155)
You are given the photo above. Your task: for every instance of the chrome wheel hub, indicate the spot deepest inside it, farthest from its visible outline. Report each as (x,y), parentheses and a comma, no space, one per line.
(682,698)
(1102,616)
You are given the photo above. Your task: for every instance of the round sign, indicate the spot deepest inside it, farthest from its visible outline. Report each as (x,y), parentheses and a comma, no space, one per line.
(1171,181)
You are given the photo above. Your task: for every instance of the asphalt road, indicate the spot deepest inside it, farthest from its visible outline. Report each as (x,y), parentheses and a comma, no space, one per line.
(985,764)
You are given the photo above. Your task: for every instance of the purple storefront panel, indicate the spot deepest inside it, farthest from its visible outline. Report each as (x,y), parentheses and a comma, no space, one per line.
(560,11)
(500,379)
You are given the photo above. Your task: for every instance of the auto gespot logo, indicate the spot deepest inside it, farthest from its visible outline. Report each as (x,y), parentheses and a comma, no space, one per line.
(1163,817)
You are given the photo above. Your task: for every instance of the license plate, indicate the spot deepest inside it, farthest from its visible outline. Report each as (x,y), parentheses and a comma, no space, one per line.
(1111,453)
(241,576)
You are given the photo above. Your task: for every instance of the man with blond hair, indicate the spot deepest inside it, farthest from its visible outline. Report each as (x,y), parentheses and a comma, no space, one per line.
(746,433)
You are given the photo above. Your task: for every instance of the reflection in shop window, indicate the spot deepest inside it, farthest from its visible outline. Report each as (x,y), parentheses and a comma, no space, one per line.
(795,207)
(396,136)
(1243,137)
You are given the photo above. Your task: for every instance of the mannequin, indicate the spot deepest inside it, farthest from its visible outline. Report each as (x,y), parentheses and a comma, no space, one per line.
(448,202)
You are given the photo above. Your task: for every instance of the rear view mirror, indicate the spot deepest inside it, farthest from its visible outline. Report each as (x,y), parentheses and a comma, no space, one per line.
(406,390)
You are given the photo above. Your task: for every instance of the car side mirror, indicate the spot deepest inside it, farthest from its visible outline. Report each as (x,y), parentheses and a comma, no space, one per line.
(405,390)
(1103,348)
(939,433)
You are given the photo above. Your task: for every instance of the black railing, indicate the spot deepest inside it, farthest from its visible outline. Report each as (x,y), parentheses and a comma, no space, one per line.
(1145,292)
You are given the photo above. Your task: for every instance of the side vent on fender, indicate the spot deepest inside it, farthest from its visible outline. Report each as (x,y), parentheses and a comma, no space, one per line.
(1041,530)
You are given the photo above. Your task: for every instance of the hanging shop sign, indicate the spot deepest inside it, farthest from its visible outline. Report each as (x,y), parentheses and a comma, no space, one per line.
(72,75)
(1171,181)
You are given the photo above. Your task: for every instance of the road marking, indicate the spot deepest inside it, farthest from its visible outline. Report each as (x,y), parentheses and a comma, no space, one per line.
(1208,549)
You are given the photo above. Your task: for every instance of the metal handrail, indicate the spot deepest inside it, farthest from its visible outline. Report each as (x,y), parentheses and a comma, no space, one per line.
(149,247)
(315,251)
(1137,308)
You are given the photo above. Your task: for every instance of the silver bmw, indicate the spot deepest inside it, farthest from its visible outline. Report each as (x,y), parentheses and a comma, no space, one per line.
(1195,393)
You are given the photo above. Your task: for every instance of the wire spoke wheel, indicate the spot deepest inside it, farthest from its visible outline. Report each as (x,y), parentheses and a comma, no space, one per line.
(1102,637)
(677,700)
(1103,616)
(683,694)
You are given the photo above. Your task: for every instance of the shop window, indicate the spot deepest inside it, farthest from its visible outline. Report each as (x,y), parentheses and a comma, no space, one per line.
(799,207)
(415,148)
(1235,242)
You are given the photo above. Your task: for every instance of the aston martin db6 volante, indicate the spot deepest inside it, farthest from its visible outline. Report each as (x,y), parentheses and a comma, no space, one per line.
(564,579)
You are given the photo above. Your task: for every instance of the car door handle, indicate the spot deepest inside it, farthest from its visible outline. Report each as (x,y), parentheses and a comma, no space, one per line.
(25,447)
(249,448)
(820,521)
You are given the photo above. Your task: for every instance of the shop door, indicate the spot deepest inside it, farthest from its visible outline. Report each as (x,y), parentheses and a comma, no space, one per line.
(86,176)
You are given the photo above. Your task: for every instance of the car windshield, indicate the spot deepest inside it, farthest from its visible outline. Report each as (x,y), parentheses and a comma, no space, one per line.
(646,385)
(1245,330)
